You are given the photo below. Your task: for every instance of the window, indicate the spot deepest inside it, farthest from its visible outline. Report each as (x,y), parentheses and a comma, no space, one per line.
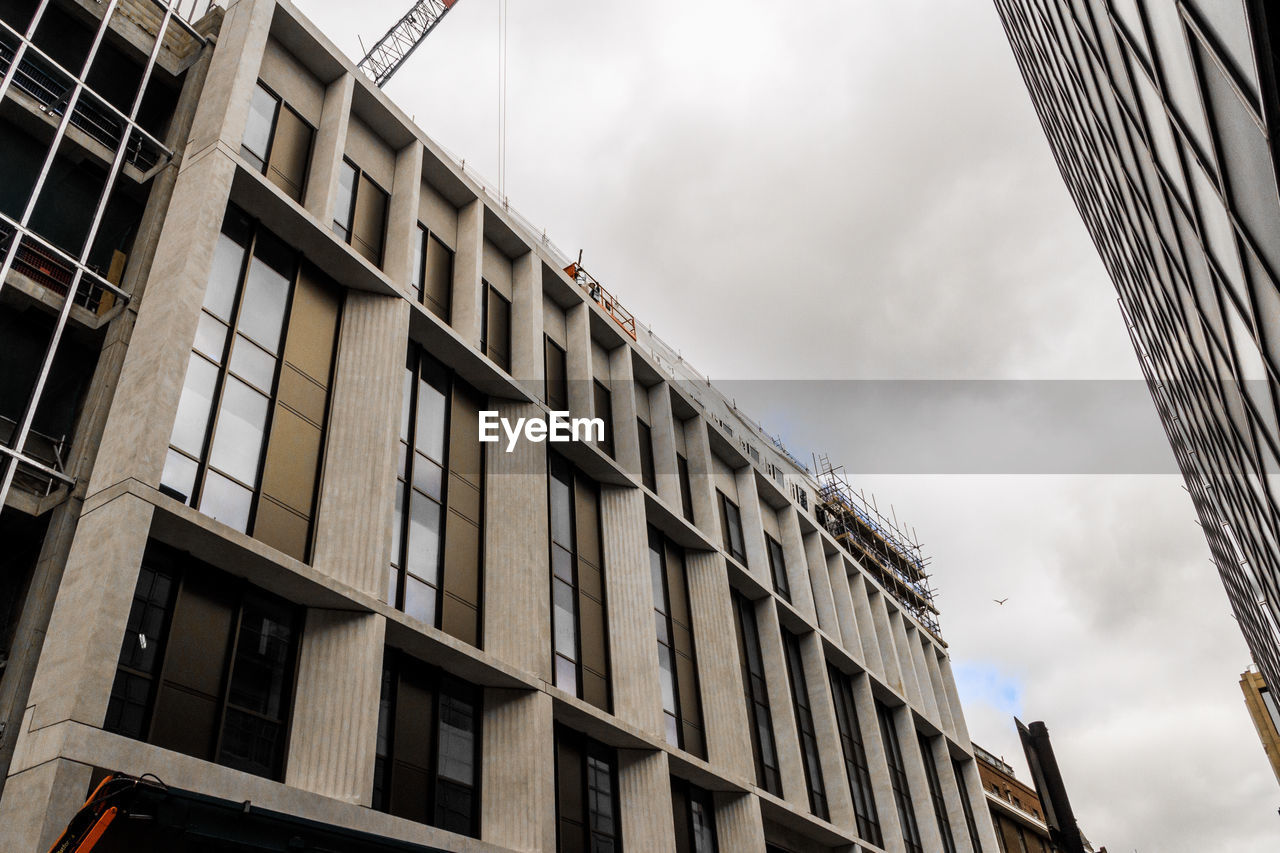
(587,814)
(557,376)
(433,274)
(731,526)
(935,794)
(360,212)
(855,757)
(958,768)
(648,475)
(898,780)
(206,666)
(247,442)
(436,545)
(804,725)
(695,818)
(760,718)
(495,331)
(604,410)
(277,142)
(686,488)
(778,568)
(428,757)
(681,702)
(578,621)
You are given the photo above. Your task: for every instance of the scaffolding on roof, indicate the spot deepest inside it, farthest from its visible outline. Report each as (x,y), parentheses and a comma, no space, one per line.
(881,544)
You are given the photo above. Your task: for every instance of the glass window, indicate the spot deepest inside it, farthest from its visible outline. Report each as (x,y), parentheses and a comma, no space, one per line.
(898,779)
(760,718)
(935,793)
(266,296)
(257,132)
(604,410)
(193,407)
(731,526)
(1226,22)
(237,437)
(855,757)
(778,568)
(804,725)
(586,795)
(556,392)
(648,474)
(1175,64)
(1162,141)
(344,204)
(226,501)
(694,811)
(677,663)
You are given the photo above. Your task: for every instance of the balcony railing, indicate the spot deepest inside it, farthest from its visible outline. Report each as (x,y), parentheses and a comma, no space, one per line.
(46,452)
(55,271)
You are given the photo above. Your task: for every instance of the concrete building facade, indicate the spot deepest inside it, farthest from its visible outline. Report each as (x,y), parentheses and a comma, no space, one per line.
(1162,116)
(255,547)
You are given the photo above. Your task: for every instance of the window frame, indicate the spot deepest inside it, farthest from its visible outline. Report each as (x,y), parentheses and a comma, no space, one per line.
(735,549)
(806,731)
(778,568)
(759,712)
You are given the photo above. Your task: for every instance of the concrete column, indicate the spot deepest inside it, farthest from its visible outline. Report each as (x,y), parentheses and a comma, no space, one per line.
(401,251)
(978,805)
(939,689)
(739,824)
(827,731)
(878,765)
(623,390)
(517,571)
(633,656)
(724,708)
(823,601)
(136,435)
(334,730)
(664,444)
(888,647)
(518,770)
(752,525)
(526,324)
(953,699)
(849,636)
(793,551)
(866,623)
(644,793)
(328,149)
(910,684)
(357,492)
(577,360)
(913,760)
(468,305)
(78,662)
(39,803)
(228,88)
(785,734)
(702,481)
(950,793)
(928,699)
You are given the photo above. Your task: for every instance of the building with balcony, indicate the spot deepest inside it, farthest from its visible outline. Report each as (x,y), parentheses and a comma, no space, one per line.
(257,554)
(1261,704)
(1162,117)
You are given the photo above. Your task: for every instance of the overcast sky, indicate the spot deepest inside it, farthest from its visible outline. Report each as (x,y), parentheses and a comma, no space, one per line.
(861,190)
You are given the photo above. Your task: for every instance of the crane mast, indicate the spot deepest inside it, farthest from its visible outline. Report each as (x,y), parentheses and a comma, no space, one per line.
(394,48)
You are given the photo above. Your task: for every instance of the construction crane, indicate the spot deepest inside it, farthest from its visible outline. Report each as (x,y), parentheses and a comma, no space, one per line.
(394,48)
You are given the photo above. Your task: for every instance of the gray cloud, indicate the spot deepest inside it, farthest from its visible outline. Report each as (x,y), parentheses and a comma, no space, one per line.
(861,190)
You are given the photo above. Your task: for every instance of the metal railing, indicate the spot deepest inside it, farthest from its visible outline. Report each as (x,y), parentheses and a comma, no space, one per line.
(55,270)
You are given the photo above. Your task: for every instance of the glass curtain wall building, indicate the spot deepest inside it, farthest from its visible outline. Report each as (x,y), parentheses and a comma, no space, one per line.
(1161,115)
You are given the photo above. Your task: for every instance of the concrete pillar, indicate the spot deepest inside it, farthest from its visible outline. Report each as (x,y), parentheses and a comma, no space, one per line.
(911,684)
(878,765)
(866,623)
(793,551)
(823,601)
(752,525)
(953,699)
(577,360)
(357,492)
(517,571)
(785,733)
(136,435)
(228,88)
(827,731)
(633,656)
(939,689)
(644,793)
(702,482)
(888,648)
(518,770)
(334,730)
(739,824)
(929,700)
(468,298)
(849,637)
(39,803)
(913,761)
(78,662)
(724,708)
(664,444)
(328,149)
(978,805)
(401,252)
(950,793)
(623,390)
(527,366)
